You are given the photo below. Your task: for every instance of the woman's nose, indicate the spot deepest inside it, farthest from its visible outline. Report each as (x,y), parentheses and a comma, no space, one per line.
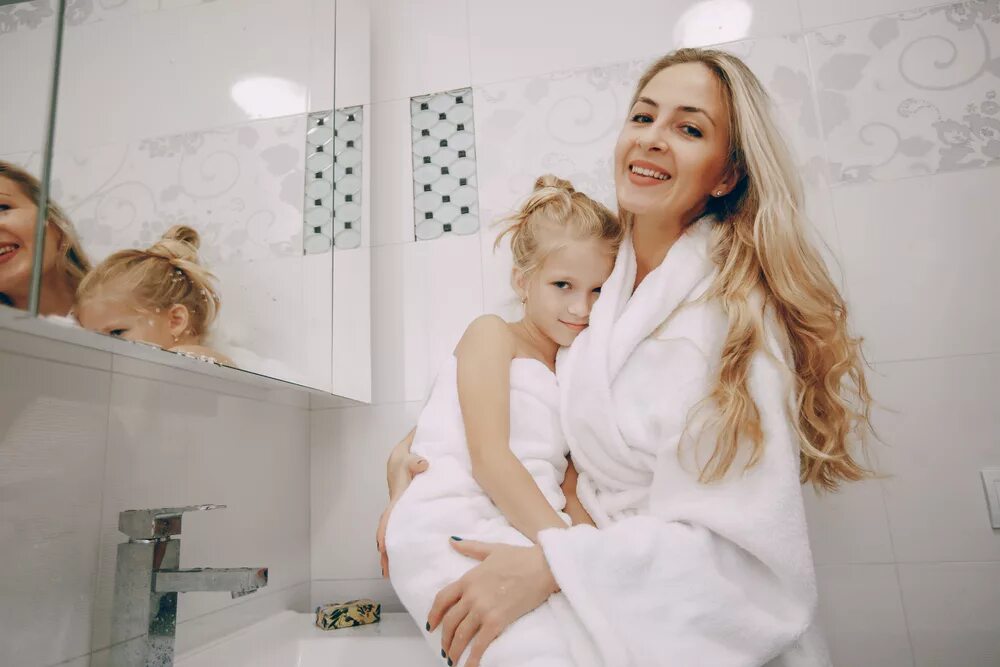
(650,138)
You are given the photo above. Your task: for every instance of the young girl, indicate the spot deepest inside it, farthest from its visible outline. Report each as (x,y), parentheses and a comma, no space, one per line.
(490,428)
(160,295)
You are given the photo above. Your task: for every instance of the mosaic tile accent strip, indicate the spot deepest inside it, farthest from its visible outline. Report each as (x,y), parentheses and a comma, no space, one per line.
(445,197)
(332,211)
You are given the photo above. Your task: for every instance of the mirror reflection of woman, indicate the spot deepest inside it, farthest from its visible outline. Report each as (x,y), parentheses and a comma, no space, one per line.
(64,264)
(160,295)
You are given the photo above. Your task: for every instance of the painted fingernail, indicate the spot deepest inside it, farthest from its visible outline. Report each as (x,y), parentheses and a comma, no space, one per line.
(449,662)
(457,539)
(427,626)
(443,654)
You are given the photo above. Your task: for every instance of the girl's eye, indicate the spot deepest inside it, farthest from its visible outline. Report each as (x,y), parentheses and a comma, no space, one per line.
(641,118)
(561,284)
(597,290)
(694,131)
(117,333)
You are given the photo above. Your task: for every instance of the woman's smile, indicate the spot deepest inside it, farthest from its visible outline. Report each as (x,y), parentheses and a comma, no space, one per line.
(8,251)
(643,173)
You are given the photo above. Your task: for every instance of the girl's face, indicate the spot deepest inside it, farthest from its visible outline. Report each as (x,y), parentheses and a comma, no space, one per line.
(113,313)
(17,241)
(562,291)
(673,152)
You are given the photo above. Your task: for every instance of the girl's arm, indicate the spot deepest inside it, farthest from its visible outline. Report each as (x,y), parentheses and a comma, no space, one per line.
(573,506)
(484,356)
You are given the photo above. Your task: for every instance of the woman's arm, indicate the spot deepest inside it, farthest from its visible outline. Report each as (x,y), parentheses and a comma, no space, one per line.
(484,356)
(573,506)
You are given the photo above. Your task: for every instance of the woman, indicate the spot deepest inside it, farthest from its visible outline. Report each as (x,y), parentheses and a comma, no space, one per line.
(63,261)
(716,376)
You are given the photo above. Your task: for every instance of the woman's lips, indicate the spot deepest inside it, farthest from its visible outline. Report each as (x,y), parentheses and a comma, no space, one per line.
(7,255)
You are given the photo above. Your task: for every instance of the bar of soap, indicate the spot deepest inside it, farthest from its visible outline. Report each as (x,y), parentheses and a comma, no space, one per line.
(348,614)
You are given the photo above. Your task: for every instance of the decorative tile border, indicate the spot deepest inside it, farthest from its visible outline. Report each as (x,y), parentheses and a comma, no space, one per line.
(910,94)
(332,209)
(445,198)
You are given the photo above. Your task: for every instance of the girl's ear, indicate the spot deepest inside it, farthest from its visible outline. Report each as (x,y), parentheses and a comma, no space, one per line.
(520,284)
(178,319)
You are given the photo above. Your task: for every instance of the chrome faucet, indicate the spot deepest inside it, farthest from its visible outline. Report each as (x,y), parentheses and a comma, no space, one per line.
(147,581)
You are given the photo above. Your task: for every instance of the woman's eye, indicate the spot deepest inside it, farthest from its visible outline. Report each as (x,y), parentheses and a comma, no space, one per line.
(561,284)
(4,207)
(118,333)
(641,118)
(694,131)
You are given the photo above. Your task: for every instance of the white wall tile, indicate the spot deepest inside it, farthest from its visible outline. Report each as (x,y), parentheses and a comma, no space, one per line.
(354,53)
(523,38)
(861,615)
(817,13)
(351,352)
(26,75)
(169,446)
(392,173)
(909,95)
(153,67)
(418,47)
(425,294)
(917,255)
(29,344)
(324,43)
(53,436)
(849,526)
(349,451)
(954,613)
(941,424)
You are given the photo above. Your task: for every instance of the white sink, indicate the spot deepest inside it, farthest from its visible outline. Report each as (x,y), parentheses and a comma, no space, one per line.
(290,639)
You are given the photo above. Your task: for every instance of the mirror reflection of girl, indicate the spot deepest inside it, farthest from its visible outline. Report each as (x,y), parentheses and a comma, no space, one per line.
(161,295)
(63,261)
(491,425)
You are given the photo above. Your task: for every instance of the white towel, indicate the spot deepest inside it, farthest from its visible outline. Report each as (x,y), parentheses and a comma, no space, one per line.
(446,500)
(680,573)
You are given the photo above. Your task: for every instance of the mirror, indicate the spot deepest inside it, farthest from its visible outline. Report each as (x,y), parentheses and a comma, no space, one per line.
(216,188)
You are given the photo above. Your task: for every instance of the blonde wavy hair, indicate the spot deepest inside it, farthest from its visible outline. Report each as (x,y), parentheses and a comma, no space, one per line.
(556,210)
(761,245)
(71,262)
(165,274)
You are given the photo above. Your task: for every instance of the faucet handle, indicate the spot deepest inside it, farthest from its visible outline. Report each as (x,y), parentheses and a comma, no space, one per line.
(158,523)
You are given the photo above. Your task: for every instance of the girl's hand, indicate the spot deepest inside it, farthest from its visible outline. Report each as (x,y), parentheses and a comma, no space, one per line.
(401,468)
(473,611)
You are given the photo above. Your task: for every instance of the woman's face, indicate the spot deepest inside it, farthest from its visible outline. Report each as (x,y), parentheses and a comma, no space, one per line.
(673,152)
(17,241)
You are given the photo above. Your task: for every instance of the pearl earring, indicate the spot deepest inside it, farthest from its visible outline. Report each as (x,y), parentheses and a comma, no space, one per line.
(718,193)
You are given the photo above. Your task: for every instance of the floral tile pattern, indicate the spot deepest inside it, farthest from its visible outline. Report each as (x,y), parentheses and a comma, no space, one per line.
(241,187)
(910,94)
(445,199)
(31,15)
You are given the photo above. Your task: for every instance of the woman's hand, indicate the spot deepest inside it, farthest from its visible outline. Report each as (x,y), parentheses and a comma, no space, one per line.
(510,582)
(400,470)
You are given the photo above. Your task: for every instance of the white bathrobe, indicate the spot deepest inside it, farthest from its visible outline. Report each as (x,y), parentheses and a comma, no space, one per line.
(680,574)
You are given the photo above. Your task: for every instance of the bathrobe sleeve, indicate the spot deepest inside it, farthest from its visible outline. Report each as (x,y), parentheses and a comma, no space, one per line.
(716,574)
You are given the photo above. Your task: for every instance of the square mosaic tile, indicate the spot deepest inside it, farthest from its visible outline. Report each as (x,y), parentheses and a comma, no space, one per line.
(332,210)
(445,199)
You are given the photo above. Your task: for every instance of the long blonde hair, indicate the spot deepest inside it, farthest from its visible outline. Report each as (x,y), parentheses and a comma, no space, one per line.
(165,274)
(71,261)
(555,206)
(760,244)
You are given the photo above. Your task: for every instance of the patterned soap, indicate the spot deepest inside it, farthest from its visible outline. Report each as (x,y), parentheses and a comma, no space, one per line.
(348,614)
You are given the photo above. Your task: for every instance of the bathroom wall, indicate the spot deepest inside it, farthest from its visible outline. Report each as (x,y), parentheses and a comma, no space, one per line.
(894,122)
